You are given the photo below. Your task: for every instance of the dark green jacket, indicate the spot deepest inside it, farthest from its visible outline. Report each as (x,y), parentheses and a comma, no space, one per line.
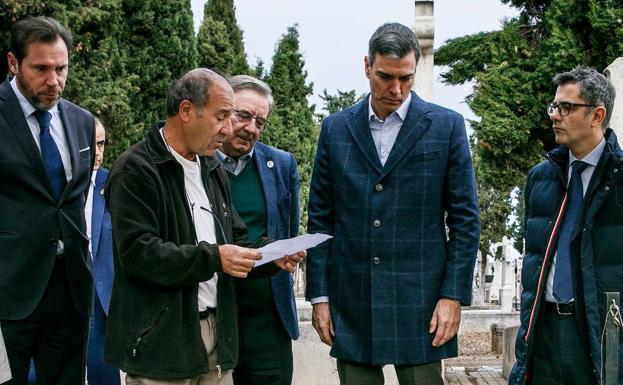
(153,325)
(596,251)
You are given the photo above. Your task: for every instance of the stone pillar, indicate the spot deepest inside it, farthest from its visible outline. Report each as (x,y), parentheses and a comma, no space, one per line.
(424,29)
(614,72)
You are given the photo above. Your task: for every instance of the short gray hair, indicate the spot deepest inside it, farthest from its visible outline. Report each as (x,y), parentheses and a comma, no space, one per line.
(193,86)
(394,40)
(594,87)
(246,82)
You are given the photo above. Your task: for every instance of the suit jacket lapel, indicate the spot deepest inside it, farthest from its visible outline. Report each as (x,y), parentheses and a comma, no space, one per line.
(415,124)
(71,136)
(12,111)
(359,127)
(97,211)
(267,177)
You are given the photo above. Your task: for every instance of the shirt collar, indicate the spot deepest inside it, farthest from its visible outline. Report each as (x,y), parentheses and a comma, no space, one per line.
(27,108)
(400,111)
(232,165)
(593,157)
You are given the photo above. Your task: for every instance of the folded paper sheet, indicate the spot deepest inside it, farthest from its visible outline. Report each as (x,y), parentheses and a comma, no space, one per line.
(283,247)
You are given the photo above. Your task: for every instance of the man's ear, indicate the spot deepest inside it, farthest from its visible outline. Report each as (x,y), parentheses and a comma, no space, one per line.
(367,67)
(184,110)
(13,64)
(598,115)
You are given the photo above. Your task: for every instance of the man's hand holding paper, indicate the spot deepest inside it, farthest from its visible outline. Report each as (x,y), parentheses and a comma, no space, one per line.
(287,253)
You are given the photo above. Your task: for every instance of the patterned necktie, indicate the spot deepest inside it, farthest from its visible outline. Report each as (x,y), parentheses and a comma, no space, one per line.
(563,284)
(50,154)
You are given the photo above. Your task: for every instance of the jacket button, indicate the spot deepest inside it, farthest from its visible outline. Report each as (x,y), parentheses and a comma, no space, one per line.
(378,187)
(376,260)
(376,223)
(607,188)
(616,170)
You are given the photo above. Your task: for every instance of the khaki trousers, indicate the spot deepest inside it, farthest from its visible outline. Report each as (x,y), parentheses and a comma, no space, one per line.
(214,377)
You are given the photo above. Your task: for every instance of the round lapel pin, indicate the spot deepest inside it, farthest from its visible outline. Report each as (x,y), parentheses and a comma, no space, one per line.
(270,164)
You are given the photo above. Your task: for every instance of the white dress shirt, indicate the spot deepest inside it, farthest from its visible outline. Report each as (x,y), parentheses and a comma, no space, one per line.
(385,132)
(592,159)
(56,128)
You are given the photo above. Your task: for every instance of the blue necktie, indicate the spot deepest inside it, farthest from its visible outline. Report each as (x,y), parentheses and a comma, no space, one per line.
(50,154)
(563,283)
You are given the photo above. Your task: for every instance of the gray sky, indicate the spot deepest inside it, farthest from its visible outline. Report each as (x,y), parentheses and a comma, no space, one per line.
(334,35)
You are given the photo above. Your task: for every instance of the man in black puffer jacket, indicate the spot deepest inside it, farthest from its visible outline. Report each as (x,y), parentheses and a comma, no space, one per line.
(574,238)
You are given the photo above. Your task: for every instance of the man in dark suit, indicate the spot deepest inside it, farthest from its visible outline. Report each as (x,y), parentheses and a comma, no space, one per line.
(99,230)
(265,190)
(393,183)
(46,156)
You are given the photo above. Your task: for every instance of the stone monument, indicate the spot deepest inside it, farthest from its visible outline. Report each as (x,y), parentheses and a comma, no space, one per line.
(424,29)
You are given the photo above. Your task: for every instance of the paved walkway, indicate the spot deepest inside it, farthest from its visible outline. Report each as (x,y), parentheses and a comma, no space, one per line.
(474,370)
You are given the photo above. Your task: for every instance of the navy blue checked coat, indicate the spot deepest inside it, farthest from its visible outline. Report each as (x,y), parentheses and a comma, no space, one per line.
(392,258)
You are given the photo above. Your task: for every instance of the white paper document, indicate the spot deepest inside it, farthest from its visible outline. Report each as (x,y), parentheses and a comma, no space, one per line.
(5,370)
(283,247)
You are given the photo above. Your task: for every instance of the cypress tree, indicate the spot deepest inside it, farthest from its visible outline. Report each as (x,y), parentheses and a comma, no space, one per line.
(512,70)
(220,43)
(160,46)
(292,126)
(97,78)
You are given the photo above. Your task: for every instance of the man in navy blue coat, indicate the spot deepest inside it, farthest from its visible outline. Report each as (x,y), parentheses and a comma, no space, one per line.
(265,190)
(393,183)
(99,230)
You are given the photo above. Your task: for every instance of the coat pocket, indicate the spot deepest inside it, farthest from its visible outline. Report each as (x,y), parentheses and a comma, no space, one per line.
(424,156)
(7,234)
(146,331)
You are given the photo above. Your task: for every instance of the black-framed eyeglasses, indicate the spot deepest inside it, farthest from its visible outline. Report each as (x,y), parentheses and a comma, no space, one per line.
(564,108)
(246,116)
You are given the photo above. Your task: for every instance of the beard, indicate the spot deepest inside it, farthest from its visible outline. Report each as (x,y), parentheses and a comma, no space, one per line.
(30,95)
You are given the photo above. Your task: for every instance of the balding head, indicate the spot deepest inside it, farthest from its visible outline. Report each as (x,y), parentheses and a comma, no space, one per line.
(193,86)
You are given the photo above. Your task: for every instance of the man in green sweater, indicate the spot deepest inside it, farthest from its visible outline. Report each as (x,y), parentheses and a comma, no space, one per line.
(265,191)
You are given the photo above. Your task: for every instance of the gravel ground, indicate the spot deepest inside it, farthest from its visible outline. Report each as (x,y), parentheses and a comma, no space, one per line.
(475,344)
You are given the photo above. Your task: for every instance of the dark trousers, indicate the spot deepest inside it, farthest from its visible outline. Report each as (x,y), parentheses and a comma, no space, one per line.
(98,371)
(265,356)
(352,373)
(559,356)
(54,336)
